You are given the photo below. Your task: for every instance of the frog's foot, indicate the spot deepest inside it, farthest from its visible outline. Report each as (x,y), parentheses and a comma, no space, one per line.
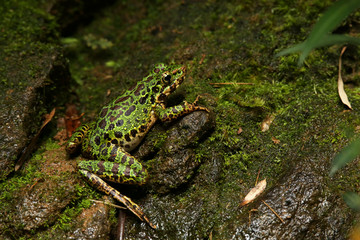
(77,138)
(106,188)
(199,107)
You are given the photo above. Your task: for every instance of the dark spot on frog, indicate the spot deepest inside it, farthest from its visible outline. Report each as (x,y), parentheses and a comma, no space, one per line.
(114,141)
(123,159)
(102,124)
(133,132)
(127,137)
(115,168)
(131,161)
(119,123)
(114,150)
(152,99)
(139,88)
(101,167)
(155,89)
(118,134)
(127,171)
(171,115)
(112,158)
(156,70)
(174,110)
(106,136)
(97,140)
(103,112)
(122,143)
(145,110)
(116,107)
(111,127)
(108,144)
(142,128)
(130,110)
(121,99)
(112,118)
(127,146)
(143,99)
(149,78)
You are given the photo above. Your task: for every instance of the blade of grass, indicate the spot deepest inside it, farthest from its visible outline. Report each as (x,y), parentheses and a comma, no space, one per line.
(321,34)
(347,154)
(352,200)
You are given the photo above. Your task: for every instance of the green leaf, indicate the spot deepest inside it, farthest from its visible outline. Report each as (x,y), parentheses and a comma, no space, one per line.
(347,154)
(352,200)
(321,34)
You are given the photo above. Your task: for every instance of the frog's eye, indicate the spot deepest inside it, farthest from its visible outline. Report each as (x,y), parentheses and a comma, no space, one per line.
(166,77)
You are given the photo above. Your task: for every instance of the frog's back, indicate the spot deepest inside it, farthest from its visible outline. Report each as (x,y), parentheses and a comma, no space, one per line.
(125,121)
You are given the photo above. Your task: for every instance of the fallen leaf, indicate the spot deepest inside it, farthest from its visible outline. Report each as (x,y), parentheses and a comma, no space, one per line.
(276,141)
(254,193)
(341,90)
(72,119)
(265,125)
(240,130)
(26,152)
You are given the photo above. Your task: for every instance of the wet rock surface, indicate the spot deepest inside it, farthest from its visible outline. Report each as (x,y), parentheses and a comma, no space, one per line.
(302,201)
(34,74)
(176,163)
(94,223)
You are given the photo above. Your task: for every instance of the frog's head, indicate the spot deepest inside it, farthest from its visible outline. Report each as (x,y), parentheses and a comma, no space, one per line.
(170,79)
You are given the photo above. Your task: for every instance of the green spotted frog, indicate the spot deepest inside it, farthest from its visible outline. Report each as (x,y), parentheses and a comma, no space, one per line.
(121,126)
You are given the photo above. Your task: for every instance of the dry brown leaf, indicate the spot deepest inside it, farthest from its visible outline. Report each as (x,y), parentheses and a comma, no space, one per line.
(341,89)
(72,119)
(265,125)
(254,193)
(275,140)
(26,152)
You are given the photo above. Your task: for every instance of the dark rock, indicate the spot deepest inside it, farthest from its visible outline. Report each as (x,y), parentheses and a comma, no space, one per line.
(301,201)
(34,75)
(176,163)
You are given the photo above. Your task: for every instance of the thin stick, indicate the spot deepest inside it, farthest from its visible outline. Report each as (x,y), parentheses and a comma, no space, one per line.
(257,177)
(107,203)
(273,211)
(230,83)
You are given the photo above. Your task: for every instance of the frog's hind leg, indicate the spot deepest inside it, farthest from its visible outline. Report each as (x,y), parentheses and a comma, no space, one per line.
(106,188)
(120,167)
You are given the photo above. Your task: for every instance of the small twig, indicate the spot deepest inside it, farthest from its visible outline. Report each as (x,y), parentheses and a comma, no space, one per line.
(121,225)
(232,83)
(108,203)
(257,177)
(273,211)
(252,210)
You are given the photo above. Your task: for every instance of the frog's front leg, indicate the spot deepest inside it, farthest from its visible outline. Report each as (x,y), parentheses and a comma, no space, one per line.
(120,167)
(171,113)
